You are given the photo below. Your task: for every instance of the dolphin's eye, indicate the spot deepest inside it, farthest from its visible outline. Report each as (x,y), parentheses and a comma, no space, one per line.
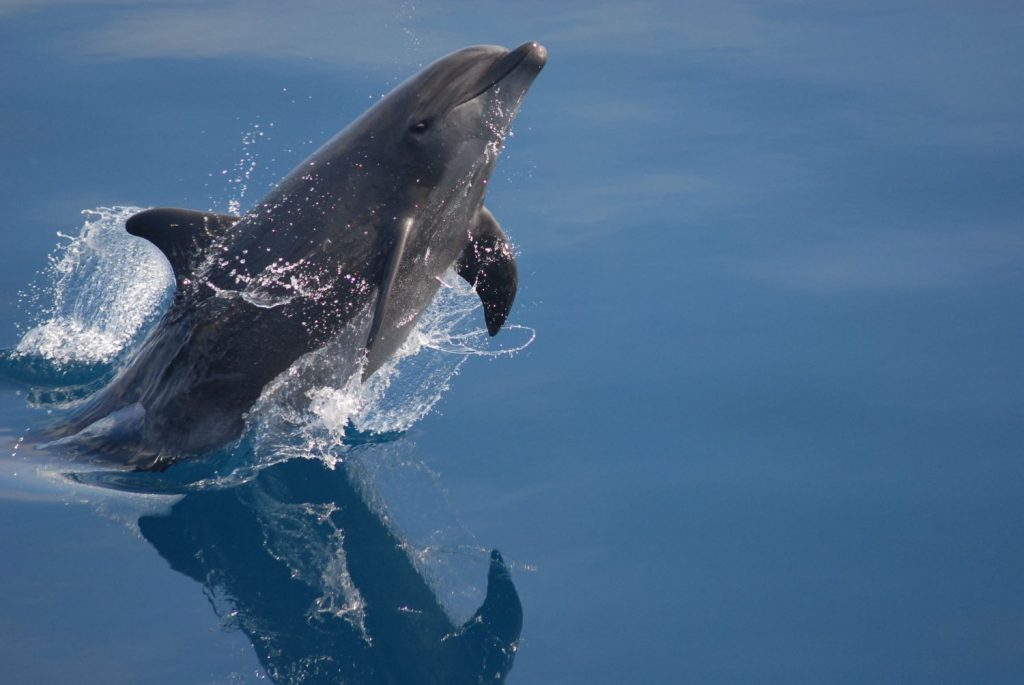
(421,127)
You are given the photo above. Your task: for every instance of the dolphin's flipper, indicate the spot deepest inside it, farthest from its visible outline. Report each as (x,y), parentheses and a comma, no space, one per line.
(181,234)
(390,276)
(488,265)
(492,634)
(378,354)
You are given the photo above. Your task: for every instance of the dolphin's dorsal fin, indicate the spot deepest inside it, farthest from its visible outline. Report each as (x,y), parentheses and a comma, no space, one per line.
(488,265)
(181,234)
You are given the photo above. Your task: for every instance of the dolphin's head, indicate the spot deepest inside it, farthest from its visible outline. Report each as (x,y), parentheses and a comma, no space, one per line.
(448,121)
(440,132)
(476,90)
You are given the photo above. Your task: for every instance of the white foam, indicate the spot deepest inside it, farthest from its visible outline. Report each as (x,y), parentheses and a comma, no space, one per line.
(101,288)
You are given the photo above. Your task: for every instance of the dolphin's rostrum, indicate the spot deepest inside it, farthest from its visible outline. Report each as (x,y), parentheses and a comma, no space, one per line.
(359,233)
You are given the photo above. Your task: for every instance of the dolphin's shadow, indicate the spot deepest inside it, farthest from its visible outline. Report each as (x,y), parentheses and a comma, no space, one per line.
(324,590)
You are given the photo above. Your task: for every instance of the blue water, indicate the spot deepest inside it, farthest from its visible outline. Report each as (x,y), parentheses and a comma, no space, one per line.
(770,426)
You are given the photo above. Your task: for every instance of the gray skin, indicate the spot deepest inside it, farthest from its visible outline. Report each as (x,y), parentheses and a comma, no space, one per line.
(350,245)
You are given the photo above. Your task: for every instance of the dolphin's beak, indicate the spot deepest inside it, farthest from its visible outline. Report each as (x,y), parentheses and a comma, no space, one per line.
(538,54)
(532,56)
(525,61)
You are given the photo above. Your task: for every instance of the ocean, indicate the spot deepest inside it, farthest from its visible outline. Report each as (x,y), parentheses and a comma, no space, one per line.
(756,417)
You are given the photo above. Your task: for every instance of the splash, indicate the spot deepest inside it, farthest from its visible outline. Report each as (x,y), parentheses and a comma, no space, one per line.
(99,293)
(322,407)
(237,180)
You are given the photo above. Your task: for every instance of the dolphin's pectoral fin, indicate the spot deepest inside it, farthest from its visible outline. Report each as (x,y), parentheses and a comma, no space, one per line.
(380,311)
(492,634)
(488,265)
(181,234)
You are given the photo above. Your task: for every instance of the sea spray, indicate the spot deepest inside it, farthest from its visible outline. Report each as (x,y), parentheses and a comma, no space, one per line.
(101,289)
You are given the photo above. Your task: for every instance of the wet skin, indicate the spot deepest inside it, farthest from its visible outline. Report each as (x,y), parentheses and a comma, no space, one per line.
(350,247)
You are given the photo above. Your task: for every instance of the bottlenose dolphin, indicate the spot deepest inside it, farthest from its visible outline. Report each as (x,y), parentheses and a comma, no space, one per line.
(356,237)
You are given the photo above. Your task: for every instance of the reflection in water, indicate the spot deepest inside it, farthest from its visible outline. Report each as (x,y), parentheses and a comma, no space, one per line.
(324,589)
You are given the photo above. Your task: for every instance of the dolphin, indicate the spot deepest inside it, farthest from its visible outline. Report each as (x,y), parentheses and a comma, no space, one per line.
(350,245)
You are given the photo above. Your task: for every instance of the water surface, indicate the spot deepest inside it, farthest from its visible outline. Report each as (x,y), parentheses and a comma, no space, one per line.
(769,430)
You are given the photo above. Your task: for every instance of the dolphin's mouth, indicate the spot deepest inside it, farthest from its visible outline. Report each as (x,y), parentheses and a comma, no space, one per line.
(530,55)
